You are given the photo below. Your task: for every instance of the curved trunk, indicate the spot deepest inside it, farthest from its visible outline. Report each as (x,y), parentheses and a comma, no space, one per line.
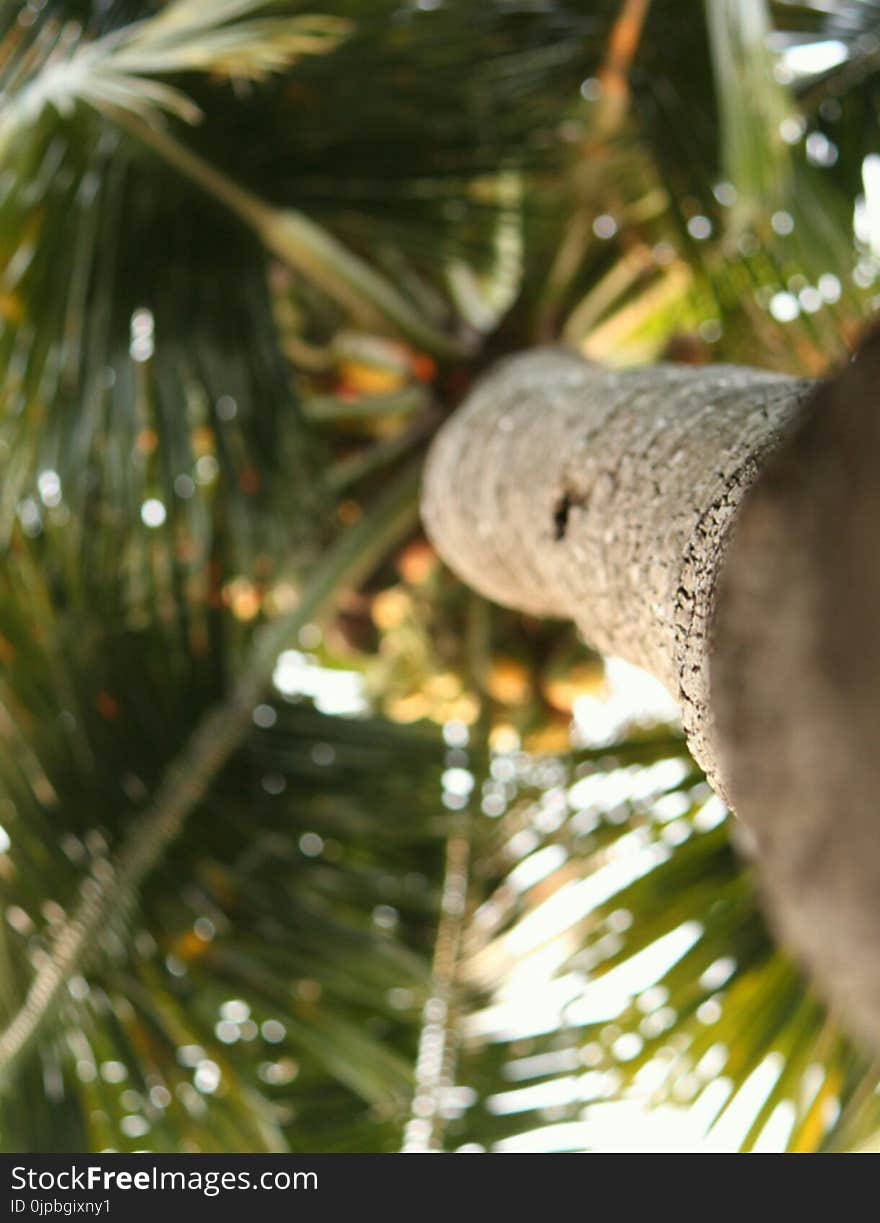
(565,490)
(608,498)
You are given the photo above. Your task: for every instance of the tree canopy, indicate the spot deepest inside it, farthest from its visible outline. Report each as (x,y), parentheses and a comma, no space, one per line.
(296,828)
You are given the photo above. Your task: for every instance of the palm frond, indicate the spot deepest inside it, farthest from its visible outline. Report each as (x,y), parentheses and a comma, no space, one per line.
(731,236)
(620,962)
(433,162)
(109,74)
(115,72)
(262,986)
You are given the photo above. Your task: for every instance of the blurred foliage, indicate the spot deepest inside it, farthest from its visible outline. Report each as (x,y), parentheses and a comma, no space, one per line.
(250,256)
(619,956)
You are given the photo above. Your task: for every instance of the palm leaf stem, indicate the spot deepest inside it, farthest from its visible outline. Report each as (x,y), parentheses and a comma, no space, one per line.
(435,1064)
(303,245)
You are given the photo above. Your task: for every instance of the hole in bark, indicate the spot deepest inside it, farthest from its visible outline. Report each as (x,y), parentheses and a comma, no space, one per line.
(561,511)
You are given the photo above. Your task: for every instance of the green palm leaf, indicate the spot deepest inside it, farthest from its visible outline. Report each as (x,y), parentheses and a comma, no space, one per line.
(621,957)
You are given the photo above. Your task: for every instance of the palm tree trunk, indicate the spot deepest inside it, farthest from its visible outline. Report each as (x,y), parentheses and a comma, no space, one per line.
(569,491)
(609,498)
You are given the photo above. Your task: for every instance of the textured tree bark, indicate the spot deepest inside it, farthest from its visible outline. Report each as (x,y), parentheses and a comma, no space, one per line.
(606,498)
(796,687)
(609,498)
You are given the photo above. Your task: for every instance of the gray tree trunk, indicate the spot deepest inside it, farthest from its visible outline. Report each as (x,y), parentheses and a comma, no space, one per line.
(566,490)
(609,498)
